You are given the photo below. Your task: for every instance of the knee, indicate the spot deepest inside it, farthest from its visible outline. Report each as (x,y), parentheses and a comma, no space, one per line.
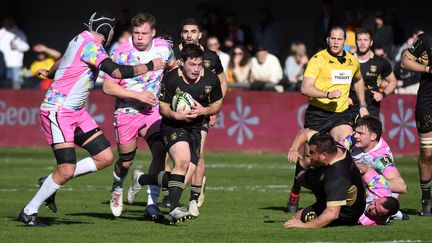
(182,165)
(104,159)
(425,156)
(65,174)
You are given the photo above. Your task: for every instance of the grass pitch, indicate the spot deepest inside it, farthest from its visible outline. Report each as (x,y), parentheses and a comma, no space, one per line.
(245,200)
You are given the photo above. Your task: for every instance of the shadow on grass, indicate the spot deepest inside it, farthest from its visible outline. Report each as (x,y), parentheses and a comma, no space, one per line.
(50,221)
(410,211)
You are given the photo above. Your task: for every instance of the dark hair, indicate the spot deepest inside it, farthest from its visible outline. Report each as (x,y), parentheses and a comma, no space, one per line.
(372,123)
(191,21)
(364,31)
(337,27)
(191,51)
(391,204)
(142,18)
(324,142)
(246,56)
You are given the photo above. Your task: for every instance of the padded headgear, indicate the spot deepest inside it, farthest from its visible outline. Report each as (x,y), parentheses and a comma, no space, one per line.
(102,23)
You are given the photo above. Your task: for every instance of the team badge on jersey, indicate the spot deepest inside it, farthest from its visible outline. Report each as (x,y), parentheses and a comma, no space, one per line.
(373,68)
(206,63)
(208,89)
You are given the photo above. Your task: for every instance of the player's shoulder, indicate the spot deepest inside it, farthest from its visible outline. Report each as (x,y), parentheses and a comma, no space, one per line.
(160,42)
(351,59)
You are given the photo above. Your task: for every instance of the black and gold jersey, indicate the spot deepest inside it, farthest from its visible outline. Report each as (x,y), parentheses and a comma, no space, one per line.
(339,184)
(211,59)
(206,91)
(373,72)
(421,50)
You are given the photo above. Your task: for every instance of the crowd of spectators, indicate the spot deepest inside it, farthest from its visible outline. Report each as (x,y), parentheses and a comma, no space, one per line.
(254,56)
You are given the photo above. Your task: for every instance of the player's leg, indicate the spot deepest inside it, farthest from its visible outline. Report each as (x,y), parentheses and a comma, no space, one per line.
(121,168)
(58,131)
(66,159)
(198,180)
(294,197)
(425,172)
(157,166)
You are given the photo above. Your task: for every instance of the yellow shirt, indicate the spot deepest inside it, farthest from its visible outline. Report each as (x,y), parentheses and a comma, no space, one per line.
(329,74)
(45,64)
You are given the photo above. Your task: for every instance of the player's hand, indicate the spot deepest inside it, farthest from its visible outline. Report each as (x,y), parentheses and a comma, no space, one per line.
(147,97)
(293,156)
(42,73)
(158,63)
(334,94)
(377,96)
(294,223)
(213,120)
(363,111)
(184,115)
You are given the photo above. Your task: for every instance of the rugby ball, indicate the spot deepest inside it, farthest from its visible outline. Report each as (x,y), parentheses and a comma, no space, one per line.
(182,101)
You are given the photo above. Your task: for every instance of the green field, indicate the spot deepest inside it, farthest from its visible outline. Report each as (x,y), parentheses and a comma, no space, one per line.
(245,200)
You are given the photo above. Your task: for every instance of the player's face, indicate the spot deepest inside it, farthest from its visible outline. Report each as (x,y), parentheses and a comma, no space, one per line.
(261,56)
(190,34)
(364,43)
(192,67)
(362,137)
(376,211)
(336,41)
(142,36)
(316,157)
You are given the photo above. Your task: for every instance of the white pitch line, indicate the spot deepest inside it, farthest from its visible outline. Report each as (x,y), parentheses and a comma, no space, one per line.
(261,188)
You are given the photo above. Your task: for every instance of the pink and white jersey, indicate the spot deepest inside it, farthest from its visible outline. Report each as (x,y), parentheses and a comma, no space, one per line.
(376,186)
(76,74)
(127,54)
(380,157)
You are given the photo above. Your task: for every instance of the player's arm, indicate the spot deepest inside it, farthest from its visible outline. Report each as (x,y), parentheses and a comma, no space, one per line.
(301,137)
(359,87)
(391,86)
(395,180)
(409,62)
(223,82)
(325,218)
(48,73)
(111,88)
(412,54)
(126,71)
(210,110)
(166,111)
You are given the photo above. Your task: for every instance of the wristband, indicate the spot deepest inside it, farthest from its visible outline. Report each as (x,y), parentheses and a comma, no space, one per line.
(363,106)
(383,94)
(150,66)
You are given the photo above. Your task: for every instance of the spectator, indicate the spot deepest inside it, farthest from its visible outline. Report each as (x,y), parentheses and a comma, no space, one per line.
(266,71)
(46,57)
(213,44)
(383,34)
(268,34)
(13,48)
(2,69)
(295,66)
(239,65)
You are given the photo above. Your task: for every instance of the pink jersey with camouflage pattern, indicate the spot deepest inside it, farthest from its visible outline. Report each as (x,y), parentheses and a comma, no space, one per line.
(76,74)
(127,54)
